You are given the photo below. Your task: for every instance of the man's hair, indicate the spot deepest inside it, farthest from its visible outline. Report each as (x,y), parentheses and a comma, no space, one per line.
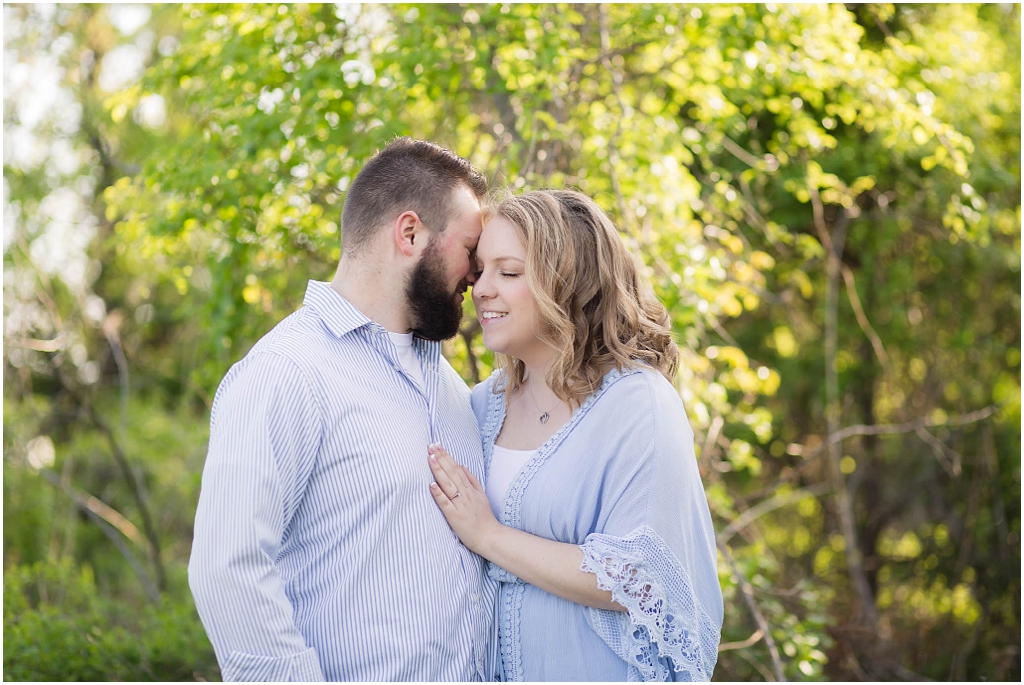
(593,306)
(407,175)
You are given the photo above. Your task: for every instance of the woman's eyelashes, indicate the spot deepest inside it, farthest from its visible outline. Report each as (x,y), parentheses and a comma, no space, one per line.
(503,273)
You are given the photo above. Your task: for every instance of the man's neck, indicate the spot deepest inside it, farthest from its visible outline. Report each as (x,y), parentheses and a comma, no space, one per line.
(371,290)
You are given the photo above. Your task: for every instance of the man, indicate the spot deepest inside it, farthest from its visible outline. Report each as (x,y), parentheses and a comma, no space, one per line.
(319,552)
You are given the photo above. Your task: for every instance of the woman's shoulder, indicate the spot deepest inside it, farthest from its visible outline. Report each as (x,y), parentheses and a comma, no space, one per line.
(486,392)
(490,385)
(642,387)
(640,397)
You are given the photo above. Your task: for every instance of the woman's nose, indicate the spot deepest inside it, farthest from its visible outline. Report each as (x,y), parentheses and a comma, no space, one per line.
(482,286)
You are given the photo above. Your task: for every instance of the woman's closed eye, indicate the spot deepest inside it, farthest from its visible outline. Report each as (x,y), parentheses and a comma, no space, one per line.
(509,274)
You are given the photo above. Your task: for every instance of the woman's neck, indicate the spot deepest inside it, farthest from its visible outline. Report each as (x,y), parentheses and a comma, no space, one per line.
(537,372)
(535,383)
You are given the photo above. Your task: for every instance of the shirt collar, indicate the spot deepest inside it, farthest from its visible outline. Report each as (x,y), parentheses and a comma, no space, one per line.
(338,314)
(341,316)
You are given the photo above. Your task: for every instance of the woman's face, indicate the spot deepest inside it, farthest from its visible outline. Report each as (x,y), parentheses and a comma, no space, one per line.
(504,303)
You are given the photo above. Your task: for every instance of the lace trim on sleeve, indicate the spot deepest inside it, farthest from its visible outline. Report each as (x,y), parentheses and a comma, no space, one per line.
(495,572)
(666,619)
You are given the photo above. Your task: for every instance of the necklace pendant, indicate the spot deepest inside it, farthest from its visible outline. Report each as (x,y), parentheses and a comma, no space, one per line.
(544,417)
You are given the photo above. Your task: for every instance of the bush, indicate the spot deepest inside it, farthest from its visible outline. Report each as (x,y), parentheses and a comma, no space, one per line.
(57,627)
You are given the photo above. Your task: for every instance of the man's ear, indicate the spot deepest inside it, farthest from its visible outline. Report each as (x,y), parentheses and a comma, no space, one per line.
(410,234)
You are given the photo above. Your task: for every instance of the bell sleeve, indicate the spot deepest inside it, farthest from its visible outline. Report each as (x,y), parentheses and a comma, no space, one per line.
(654,546)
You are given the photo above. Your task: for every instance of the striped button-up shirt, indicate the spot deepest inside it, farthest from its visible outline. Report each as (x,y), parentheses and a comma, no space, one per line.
(319,552)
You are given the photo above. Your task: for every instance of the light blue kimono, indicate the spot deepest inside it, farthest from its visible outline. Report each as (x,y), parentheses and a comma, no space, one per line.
(620,480)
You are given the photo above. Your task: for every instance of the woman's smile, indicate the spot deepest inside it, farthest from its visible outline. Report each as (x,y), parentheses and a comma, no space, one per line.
(491,317)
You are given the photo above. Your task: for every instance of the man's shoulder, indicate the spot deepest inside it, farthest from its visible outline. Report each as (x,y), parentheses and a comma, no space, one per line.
(294,337)
(448,371)
(451,378)
(287,351)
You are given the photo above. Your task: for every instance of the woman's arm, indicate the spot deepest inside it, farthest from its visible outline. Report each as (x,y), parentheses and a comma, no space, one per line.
(552,566)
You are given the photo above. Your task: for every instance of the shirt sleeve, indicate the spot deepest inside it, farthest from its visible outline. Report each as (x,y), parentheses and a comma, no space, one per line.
(655,548)
(265,432)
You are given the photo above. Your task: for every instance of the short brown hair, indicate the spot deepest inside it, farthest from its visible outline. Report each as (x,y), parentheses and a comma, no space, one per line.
(407,175)
(593,307)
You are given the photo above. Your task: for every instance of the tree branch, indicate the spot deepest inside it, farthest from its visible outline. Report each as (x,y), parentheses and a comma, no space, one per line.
(712,438)
(749,642)
(86,501)
(467,332)
(129,475)
(749,658)
(747,158)
(948,458)
(748,596)
(103,516)
(834,242)
(889,429)
(771,504)
(988,449)
(137,492)
(862,320)
(613,147)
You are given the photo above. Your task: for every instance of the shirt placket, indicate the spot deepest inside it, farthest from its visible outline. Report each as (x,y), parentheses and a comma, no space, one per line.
(429,355)
(380,341)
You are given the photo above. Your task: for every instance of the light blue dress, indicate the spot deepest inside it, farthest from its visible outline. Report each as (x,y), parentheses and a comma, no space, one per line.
(620,480)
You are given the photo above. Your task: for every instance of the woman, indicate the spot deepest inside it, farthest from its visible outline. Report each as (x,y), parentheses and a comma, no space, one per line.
(593,520)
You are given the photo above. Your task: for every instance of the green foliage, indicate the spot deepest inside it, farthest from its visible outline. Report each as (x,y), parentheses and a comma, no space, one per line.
(56,627)
(734,146)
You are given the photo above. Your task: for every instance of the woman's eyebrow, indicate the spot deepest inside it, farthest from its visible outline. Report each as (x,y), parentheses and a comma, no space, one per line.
(508,258)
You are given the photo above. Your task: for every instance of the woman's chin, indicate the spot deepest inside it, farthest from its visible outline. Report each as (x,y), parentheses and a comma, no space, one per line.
(493,343)
(498,344)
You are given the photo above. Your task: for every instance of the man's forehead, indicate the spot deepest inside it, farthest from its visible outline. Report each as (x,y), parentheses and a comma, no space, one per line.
(474,220)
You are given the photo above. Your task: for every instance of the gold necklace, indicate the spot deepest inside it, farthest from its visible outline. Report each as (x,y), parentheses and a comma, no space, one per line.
(544,415)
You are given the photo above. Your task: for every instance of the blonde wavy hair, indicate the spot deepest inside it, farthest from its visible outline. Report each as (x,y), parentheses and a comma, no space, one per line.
(592,306)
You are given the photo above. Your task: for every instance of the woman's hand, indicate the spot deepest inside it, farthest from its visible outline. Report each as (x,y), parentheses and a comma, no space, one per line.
(462,500)
(552,566)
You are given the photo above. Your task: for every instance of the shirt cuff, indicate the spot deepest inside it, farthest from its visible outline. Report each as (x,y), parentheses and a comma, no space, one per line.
(301,667)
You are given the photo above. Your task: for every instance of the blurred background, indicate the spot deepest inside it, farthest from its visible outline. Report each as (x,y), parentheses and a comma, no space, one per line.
(826,197)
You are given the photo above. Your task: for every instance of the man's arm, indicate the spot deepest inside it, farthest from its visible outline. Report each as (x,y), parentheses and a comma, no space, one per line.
(265,431)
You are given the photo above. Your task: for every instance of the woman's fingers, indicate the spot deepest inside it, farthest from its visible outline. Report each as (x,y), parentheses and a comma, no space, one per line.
(461,499)
(447,472)
(441,499)
(446,485)
(472,479)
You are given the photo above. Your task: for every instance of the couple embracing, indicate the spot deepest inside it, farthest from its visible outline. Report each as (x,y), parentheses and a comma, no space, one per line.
(366,516)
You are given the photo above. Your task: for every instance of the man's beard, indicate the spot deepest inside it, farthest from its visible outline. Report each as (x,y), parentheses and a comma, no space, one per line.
(435,312)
